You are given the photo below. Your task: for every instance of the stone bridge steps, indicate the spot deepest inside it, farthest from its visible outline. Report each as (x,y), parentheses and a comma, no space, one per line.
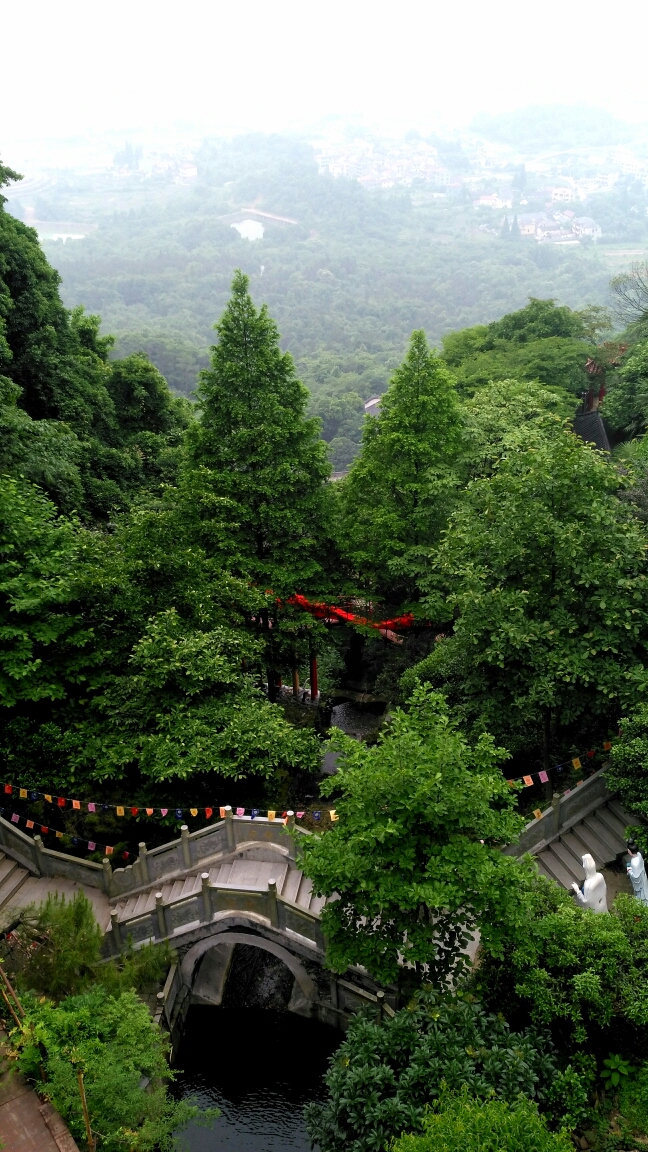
(601,833)
(239,874)
(19,888)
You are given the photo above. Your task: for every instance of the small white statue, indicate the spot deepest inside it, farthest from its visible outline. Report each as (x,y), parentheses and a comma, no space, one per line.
(636,870)
(594,894)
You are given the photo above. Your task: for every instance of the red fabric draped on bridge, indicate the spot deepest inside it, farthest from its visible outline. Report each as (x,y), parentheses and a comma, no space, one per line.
(332,612)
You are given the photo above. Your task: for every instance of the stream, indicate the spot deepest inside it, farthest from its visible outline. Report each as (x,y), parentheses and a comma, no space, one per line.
(260,1067)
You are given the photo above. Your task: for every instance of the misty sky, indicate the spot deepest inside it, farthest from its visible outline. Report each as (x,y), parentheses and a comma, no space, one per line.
(227,67)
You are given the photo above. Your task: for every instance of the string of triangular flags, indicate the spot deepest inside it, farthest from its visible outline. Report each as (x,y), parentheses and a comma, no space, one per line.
(575,762)
(94,807)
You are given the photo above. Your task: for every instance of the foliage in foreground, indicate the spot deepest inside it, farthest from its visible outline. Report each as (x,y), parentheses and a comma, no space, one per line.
(629,761)
(461,1123)
(122,1055)
(573,970)
(384,1076)
(542,572)
(415,855)
(56,951)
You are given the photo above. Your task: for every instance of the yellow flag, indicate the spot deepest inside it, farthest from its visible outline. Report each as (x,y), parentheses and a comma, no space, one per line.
(194,811)
(576,762)
(120,810)
(23,793)
(537,812)
(333,814)
(48,798)
(59,835)
(271,815)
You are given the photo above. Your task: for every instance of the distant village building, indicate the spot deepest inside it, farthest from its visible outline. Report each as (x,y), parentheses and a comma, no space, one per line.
(561,195)
(372,407)
(492,201)
(585,226)
(529,221)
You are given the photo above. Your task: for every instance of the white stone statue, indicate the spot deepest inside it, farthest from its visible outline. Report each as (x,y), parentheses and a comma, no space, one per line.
(636,870)
(594,894)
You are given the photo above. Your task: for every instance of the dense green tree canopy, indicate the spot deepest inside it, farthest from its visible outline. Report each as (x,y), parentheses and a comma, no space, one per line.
(545,576)
(257,453)
(415,855)
(395,500)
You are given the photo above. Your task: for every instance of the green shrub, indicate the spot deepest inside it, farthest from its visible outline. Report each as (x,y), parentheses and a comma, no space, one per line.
(383,1076)
(633,1099)
(122,1055)
(56,951)
(463,1124)
(573,970)
(57,946)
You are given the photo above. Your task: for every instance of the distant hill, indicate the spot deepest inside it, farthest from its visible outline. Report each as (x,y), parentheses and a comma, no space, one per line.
(540,127)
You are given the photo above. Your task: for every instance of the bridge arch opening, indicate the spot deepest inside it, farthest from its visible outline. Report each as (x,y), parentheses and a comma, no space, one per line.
(243,969)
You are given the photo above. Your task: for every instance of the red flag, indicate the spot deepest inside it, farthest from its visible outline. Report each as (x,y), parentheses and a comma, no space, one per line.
(208,812)
(134,811)
(8,789)
(61,801)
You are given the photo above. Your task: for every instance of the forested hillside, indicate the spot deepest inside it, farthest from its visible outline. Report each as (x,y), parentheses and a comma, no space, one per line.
(359,270)
(480,574)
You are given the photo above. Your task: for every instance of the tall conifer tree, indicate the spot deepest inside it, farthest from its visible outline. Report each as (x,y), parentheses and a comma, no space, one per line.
(395,500)
(259,454)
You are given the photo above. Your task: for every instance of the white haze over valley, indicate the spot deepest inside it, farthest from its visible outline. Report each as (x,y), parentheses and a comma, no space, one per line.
(81,76)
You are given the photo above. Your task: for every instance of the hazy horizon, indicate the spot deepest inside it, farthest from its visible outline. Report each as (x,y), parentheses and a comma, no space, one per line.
(133,69)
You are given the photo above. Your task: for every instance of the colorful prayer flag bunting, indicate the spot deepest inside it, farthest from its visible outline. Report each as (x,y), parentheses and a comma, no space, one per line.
(576,762)
(537,812)
(76,804)
(91,808)
(271,815)
(222,813)
(119,810)
(23,793)
(48,798)
(164,811)
(543,777)
(194,811)
(333,814)
(208,813)
(528,780)
(240,811)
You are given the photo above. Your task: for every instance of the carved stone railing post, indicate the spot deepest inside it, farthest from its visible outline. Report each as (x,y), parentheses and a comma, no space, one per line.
(272,903)
(229,828)
(107,876)
(380,1006)
(290,820)
(116,931)
(161,917)
(38,845)
(143,859)
(206,896)
(555,804)
(186,846)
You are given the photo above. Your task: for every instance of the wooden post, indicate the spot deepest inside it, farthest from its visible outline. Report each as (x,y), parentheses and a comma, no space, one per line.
(86,1116)
(313,677)
(161,918)
(290,819)
(229,828)
(9,986)
(186,845)
(143,859)
(295,681)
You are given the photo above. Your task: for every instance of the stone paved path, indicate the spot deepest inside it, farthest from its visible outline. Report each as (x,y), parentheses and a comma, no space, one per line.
(26,1125)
